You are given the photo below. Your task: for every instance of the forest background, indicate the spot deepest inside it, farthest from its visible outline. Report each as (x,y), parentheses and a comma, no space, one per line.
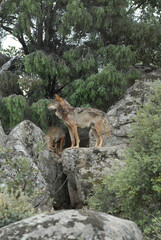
(83,50)
(89,52)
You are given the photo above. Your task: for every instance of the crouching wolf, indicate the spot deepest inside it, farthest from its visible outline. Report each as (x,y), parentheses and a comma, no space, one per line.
(81,117)
(55,138)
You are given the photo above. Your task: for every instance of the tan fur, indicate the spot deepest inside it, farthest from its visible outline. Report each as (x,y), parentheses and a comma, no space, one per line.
(55,138)
(81,117)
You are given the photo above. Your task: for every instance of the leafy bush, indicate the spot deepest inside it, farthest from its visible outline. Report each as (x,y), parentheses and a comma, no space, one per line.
(104,82)
(32,87)
(9,84)
(40,115)
(17,173)
(135,192)
(12,110)
(13,207)
(156,225)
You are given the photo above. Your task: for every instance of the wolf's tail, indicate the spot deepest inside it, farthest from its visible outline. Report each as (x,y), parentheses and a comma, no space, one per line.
(107,127)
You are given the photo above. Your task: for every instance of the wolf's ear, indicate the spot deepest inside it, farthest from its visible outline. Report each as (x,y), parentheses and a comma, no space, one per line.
(59,99)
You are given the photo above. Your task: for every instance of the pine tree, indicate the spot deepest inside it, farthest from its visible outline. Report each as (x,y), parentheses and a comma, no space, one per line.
(83,50)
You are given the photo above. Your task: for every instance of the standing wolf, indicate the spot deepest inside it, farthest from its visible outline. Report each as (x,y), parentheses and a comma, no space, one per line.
(81,117)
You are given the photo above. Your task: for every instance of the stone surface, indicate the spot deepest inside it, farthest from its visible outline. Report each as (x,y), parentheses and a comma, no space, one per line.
(68,179)
(27,140)
(122,114)
(72,224)
(3,136)
(85,164)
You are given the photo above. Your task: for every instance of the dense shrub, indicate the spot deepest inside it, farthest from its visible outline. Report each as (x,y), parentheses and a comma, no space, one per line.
(135,192)
(102,87)
(12,110)
(13,207)
(41,116)
(9,84)
(17,173)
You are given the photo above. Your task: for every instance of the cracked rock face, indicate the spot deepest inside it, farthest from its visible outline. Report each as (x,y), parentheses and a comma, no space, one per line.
(23,141)
(27,141)
(72,224)
(122,114)
(81,165)
(3,137)
(85,164)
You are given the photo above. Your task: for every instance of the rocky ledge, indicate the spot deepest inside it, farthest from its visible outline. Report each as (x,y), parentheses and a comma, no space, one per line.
(72,224)
(84,165)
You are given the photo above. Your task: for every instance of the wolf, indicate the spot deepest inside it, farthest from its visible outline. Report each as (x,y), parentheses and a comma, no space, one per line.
(55,138)
(75,117)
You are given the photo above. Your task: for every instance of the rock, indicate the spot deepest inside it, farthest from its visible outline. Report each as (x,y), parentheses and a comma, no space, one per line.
(68,179)
(72,224)
(122,114)
(3,136)
(83,164)
(26,140)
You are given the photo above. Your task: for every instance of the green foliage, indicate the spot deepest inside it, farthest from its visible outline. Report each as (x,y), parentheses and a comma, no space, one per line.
(17,173)
(111,78)
(12,110)
(41,116)
(135,192)
(120,56)
(43,65)
(49,68)
(145,36)
(81,61)
(13,207)
(83,50)
(1,38)
(32,87)
(76,15)
(156,225)
(9,84)
(11,51)
(100,88)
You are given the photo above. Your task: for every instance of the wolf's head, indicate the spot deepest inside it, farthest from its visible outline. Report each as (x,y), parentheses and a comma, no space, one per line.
(55,103)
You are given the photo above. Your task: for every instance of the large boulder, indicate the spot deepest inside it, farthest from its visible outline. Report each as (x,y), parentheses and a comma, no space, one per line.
(68,179)
(27,141)
(122,114)
(72,224)
(85,164)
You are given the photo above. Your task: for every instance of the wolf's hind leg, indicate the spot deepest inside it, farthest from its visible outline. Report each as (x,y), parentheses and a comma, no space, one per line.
(71,133)
(96,136)
(61,143)
(98,128)
(76,136)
